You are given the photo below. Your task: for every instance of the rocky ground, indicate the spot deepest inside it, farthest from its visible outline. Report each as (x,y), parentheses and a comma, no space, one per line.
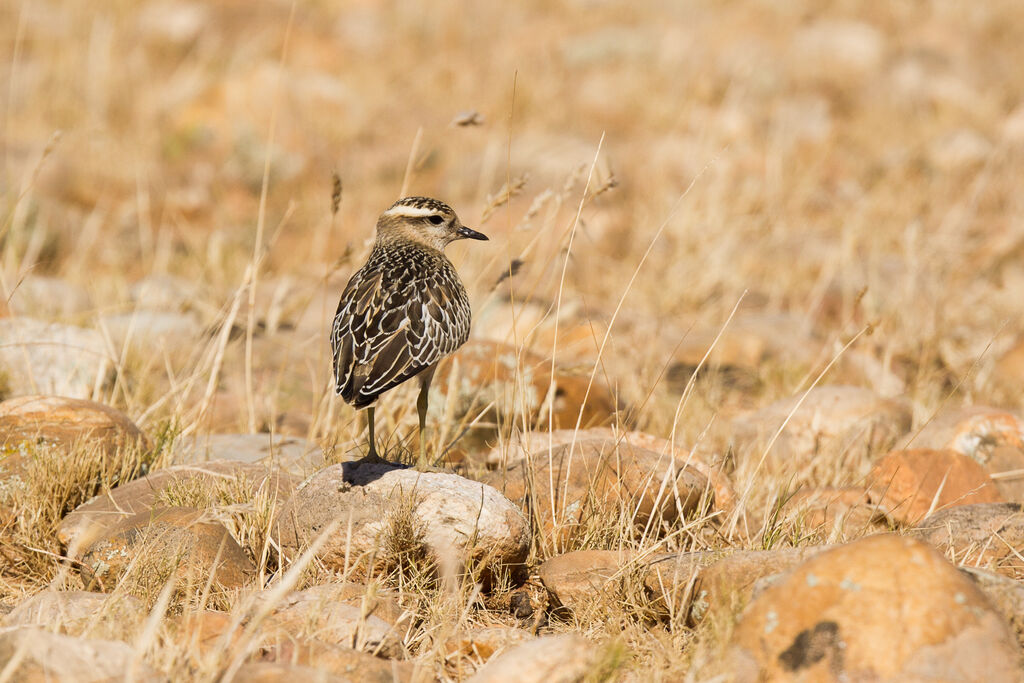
(743,400)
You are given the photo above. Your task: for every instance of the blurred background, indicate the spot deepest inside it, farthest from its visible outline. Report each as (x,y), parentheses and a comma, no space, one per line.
(828,169)
(698,210)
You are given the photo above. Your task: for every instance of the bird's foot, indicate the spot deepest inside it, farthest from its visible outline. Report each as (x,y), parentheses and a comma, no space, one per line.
(372,458)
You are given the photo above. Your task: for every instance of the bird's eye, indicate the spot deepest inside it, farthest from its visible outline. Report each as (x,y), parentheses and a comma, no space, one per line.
(435,219)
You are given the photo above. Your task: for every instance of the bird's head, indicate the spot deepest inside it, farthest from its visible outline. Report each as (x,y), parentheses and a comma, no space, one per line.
(424,220)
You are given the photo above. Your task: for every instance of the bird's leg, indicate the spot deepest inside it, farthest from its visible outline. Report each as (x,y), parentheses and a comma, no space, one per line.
(372,455)
(421,410)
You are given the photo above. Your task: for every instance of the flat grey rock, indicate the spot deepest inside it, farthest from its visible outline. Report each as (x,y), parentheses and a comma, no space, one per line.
(293,454)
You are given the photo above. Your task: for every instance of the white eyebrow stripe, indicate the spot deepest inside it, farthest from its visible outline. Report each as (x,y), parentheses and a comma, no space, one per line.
(412,211)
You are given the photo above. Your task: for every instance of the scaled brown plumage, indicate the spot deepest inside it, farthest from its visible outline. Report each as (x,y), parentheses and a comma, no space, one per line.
(405,309)
(400,314)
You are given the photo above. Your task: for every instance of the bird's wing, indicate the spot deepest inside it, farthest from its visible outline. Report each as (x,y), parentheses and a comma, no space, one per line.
(387,332)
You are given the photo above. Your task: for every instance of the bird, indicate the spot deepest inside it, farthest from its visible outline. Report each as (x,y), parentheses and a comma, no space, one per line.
(403,311)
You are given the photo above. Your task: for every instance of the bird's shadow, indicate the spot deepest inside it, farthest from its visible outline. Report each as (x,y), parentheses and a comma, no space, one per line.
(362,472)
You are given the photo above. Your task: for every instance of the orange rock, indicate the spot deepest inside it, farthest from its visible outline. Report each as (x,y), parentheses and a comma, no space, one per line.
(992,437)
(317,613)
(200,634)
(521,445)
(1006,467)
(975,431)
(841,511)
(467,649)
(94,518)
(590,481)
(513,383)
(577,578)
(702,583)
(165,541)
(746,343)
(985,535)
(34,655)
(282,672)
(883,608)
(332,658)
(67,422)
(83,439)
(370,600)
(532,325)
(80,613)
(1007,595)
(562,657)
(830,420)
(907,484)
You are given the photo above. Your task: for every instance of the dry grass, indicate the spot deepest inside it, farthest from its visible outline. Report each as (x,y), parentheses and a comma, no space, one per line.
(644,172)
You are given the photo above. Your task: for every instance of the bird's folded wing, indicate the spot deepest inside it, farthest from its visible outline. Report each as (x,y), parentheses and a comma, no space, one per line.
(383,335)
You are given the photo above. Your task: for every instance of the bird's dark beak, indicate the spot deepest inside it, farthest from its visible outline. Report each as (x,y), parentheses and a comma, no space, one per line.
(466,233)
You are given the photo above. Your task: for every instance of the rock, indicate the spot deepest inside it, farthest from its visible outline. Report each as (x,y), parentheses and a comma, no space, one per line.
(282,672)
(467,649)
(693,584)
(577,579)
(854,612)
(517,384)
(909,484)
(338,660)
(194,485)
(49,358)
(370,599)
(483,642)
(748,342)
(82,439)
(80,613)
(164,293)
(835,513)
(963,148)
(200,634)
(974,431)
(704,583)
(597,479)
(831,420)
(532,326)
(154,545)
(32,654)
(992,437)
(151,331)
(68,422)
(519,604)
(48,297)
(983,535)
(289,453)
(533,444)
(1006,595)
(563,658)
(454,521)
(318,613)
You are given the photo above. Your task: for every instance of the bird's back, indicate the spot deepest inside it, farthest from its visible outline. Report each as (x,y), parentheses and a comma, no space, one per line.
(401,313)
